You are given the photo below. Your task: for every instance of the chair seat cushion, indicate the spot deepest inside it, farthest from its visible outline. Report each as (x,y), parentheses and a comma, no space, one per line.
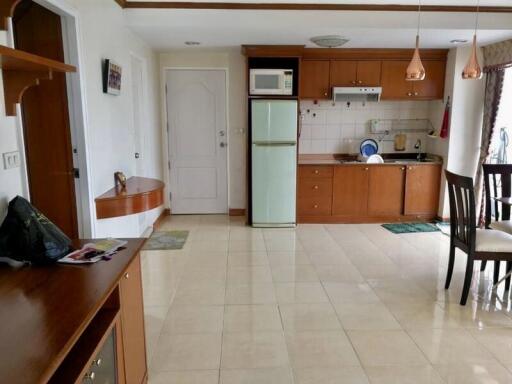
(488,240)
(503,225)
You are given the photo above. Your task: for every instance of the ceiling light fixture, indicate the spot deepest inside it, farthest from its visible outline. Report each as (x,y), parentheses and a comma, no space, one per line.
(415,71)
(472,70)
(331,41)
(191,43)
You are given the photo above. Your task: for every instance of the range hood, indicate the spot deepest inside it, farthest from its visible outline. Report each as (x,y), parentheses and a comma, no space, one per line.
(356,94)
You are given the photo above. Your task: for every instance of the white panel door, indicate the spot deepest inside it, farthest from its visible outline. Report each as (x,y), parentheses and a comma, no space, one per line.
(196,112)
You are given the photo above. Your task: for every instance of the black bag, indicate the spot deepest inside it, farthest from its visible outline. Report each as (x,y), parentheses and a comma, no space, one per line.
(27,235)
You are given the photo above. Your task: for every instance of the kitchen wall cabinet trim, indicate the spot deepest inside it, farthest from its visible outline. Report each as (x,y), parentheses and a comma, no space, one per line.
(372,54)
(351,73)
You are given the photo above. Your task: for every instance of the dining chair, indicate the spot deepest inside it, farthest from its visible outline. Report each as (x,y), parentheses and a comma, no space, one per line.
(497,183)
(478,244)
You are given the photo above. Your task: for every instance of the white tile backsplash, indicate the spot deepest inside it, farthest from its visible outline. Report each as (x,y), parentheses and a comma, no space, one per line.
(339,128)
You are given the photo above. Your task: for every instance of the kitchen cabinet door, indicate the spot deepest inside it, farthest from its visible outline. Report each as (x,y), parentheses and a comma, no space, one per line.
(314,79)
(394,85)
(343,73)
(369,73)
(422,184)
(386,190)
(132,323)
(350,190)
(433,86)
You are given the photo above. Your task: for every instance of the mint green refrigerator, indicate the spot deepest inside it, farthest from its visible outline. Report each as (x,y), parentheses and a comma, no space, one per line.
(274,162)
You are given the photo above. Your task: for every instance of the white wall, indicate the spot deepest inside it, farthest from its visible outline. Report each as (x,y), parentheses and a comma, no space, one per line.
(461,151)
(234,62)
(10,179)
(110,142)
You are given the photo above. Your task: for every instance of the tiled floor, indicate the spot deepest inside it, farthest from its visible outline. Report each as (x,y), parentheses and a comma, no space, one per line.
(319,304)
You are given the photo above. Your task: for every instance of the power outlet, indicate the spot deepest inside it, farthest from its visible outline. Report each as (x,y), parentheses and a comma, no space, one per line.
(11,159)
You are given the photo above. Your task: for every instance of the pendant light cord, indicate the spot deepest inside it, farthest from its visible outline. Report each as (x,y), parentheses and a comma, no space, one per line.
(419,17)
(477,14)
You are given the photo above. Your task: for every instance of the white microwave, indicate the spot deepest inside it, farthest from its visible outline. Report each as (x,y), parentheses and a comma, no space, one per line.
(271,82)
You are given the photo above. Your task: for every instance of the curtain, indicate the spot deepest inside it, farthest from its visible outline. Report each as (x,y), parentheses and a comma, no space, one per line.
(493,90)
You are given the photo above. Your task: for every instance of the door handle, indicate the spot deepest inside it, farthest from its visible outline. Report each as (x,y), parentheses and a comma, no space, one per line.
(223,144)
(137,155)
(222,133)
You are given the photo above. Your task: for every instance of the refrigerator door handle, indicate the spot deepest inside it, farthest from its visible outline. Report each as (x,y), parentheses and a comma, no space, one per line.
(275,144)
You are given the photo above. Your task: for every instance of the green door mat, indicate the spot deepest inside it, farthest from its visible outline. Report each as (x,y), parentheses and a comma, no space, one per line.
(411,227)
(166,240)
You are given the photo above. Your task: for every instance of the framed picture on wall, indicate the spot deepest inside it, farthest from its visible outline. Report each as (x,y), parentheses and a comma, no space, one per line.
(112,77)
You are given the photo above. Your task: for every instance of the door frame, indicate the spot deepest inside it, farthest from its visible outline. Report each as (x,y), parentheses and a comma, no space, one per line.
(72,42)
(144,112)
(166,133)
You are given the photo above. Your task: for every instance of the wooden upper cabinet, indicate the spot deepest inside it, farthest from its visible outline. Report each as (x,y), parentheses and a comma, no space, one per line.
(422,189)
(314,79)
(132,322)
(346,73)
(433,85)
(386,190)
(395,87)
(393,83)
(343,73)
(350,190)
(369,73)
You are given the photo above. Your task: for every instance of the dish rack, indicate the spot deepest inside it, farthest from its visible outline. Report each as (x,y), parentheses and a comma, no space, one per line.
(385,126)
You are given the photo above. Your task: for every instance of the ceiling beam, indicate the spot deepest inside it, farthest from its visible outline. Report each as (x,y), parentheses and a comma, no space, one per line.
(306,7)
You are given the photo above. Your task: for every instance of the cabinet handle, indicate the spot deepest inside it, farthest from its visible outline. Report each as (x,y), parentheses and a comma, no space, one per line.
(315,187)
(409,168)
(316,172)
(409,94)
(90,376)
(126,275)
(403,168)
(415,93)
(315,206)
(325,93)
(360,82)
(353,82)
(97,362)
(366,168)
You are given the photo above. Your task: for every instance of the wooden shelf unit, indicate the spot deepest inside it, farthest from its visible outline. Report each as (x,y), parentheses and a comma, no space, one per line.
(22,70)
(141,194)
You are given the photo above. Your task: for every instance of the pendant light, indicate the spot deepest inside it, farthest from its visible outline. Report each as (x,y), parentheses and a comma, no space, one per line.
(472,70)
(415,71)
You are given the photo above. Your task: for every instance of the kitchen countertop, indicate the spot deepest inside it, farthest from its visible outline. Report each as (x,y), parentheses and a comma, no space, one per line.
(389,159)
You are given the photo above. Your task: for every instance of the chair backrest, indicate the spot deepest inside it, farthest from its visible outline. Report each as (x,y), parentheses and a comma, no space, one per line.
(497,183)
(461,193)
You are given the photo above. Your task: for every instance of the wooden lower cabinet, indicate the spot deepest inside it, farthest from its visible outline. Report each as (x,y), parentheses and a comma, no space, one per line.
(350,190)
(386,190)
(132,323)
(368,193)
(422,189)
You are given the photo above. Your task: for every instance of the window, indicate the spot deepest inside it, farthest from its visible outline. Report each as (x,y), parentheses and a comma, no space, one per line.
(501,148)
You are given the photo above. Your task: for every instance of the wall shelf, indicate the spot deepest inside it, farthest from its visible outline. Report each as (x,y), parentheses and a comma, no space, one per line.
(22,70)
(141,194)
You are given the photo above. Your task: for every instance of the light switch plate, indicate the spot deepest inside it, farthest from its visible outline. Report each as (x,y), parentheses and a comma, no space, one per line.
(11,159)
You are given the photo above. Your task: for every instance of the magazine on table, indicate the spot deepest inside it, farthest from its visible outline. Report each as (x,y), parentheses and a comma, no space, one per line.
(93,252)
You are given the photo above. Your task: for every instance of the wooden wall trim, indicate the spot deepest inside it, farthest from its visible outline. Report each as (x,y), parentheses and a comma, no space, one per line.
(158,222)
(122,3)
(236,211)
(372,54)
(308,7)
(340,53)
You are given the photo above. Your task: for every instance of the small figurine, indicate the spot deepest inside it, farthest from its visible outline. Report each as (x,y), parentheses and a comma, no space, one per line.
(120,179)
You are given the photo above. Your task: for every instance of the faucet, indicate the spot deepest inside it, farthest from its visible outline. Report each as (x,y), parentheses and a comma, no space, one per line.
(418,147)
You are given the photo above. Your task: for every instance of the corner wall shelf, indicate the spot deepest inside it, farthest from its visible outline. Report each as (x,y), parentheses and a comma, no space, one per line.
(141,194)
(22,70)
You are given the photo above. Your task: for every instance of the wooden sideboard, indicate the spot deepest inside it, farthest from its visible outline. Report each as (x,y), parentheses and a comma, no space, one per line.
(55,320)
